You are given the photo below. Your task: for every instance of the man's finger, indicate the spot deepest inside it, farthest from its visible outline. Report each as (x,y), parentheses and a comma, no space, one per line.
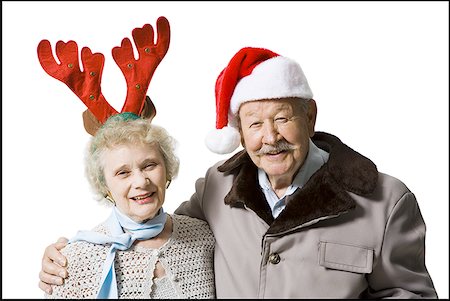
(49,279)
(45,287)
(52,253)
(62,240)
(51,268)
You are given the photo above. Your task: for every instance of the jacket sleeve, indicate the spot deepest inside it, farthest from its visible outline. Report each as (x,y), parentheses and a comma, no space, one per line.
(194,207)
(400,270)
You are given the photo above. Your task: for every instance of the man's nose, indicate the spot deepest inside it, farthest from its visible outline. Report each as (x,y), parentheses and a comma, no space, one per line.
(270,133)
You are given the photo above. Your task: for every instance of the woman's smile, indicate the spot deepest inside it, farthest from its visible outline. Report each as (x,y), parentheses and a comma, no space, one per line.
(144,199)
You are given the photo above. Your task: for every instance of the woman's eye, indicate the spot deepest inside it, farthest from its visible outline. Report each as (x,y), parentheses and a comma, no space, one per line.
(150,166)
(122,173)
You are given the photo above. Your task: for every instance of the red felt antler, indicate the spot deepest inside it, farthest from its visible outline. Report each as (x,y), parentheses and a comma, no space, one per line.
(138,73)
(86,84)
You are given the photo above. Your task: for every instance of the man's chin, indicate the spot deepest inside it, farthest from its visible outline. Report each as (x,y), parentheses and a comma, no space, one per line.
(274,170)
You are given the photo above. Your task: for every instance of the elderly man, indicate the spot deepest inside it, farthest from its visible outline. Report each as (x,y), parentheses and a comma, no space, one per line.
(297,213)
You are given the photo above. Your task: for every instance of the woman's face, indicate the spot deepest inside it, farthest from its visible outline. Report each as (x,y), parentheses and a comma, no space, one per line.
(136,178)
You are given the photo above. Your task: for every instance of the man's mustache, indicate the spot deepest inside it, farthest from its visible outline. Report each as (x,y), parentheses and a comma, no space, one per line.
(280,146)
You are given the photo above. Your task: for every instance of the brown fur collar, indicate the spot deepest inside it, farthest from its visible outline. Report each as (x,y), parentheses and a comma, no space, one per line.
(325,193)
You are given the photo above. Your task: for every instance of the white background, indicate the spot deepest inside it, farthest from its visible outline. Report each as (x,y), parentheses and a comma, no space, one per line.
(378,71)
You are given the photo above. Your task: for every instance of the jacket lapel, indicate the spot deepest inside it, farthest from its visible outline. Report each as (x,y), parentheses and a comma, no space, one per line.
(325,193)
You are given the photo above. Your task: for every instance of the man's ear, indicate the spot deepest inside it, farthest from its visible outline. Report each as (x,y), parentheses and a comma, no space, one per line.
(311,114)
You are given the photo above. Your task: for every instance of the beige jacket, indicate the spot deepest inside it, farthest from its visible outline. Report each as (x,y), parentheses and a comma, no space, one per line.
(351,232)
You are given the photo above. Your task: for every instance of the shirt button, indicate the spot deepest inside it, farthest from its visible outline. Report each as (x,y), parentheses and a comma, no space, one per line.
(274,258)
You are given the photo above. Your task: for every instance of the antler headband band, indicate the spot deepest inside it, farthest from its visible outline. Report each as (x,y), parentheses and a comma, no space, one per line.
(86,84)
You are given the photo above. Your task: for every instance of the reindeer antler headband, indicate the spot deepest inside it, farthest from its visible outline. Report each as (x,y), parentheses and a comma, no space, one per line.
(86,84)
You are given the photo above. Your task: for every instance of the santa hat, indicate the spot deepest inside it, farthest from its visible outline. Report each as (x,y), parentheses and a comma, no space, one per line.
(252,74)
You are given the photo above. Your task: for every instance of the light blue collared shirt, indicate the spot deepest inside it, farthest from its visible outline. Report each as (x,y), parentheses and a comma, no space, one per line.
(314,160)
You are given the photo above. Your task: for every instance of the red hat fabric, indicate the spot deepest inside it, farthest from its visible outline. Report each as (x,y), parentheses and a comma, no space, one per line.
(252,74)
(241,65)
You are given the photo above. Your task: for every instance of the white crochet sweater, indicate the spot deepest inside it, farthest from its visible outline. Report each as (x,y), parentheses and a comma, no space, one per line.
(187,259)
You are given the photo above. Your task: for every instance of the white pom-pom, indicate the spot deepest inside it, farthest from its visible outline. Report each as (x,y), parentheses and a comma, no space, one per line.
(223,141)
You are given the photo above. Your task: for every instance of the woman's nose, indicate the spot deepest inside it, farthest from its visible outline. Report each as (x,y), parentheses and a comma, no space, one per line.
(141,180)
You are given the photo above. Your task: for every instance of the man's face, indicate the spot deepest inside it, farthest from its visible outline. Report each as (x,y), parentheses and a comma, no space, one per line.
(276,135)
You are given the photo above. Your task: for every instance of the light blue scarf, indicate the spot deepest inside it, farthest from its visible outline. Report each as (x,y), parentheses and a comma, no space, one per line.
(120,240)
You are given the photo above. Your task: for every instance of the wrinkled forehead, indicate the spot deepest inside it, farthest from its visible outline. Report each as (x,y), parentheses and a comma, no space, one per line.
(129,151)
(257,107)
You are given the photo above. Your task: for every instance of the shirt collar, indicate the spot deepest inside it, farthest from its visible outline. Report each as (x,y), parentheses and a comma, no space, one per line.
(314,160)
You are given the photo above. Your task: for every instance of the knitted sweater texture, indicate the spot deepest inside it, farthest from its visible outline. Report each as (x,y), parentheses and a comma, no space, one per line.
(187,258)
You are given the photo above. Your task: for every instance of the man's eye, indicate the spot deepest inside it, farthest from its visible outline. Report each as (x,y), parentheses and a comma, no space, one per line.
(122,173)
(255,125)
(281,119)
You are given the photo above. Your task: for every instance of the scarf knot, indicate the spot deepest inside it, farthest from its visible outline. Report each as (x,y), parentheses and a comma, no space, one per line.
(124,232)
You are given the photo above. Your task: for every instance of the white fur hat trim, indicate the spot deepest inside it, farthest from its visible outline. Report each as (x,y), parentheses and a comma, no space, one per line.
(278,77)
(223,141)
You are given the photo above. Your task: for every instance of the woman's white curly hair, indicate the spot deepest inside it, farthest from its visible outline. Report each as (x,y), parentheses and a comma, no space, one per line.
(119,130)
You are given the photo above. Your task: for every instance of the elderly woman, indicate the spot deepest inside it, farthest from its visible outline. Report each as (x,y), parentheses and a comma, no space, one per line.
(139,251)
